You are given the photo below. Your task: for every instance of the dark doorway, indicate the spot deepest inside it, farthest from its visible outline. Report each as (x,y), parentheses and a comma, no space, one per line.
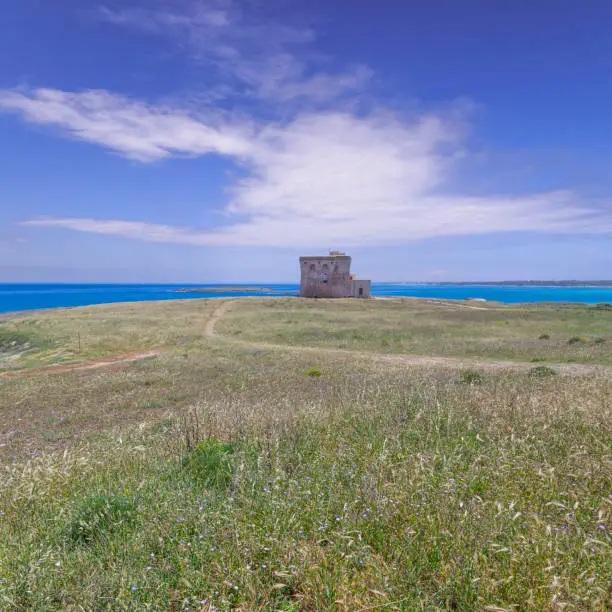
(360,291)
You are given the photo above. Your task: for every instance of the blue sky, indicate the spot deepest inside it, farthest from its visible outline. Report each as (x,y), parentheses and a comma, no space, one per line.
(217,140)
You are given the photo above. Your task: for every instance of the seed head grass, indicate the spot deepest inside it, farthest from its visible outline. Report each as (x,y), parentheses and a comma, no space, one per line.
(255,487)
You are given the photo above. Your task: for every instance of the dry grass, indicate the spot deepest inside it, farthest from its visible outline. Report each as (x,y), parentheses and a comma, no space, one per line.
(223,476)
(416,327)
(79,334)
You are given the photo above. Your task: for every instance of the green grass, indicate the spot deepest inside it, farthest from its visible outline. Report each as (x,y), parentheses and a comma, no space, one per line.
(232,478)
(415,327)
(78,334)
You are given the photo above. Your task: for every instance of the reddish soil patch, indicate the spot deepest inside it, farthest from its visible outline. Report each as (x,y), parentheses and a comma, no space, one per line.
(103,362)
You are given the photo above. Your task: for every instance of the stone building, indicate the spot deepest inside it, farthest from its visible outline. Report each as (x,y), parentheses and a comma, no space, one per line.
(330,277)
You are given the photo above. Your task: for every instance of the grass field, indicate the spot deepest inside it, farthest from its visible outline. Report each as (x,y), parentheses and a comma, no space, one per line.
(231,473)
(561,333)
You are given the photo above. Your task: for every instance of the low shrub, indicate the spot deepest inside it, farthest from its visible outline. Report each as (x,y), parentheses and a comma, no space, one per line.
(599,340)
(577,340)
(542,372)
(211,463)
(313,371)
(98,516)
(15,341)
(537,359)
(544,337)
(471,377)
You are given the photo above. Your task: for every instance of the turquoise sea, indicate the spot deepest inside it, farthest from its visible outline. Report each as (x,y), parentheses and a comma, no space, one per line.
(17,297)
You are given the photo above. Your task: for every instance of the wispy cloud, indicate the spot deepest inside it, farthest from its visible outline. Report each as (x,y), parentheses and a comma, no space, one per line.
(131,128)
(320,175)
(270,59)
(319,179)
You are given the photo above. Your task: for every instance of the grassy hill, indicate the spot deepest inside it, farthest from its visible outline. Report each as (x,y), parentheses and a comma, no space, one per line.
(295,460)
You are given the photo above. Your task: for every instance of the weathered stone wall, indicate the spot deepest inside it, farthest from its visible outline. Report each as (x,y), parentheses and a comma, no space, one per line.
(325,277)
(361,288)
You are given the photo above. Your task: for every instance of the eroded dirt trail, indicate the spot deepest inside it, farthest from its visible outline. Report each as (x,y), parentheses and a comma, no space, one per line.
(217,315)
(103,362)
(408,360)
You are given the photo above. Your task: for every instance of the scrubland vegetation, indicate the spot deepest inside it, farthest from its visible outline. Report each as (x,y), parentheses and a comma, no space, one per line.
(229,473)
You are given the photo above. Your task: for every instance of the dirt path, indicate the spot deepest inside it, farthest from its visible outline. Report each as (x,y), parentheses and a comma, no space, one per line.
(218,313)
(86,365)
(408,360)
(431,361)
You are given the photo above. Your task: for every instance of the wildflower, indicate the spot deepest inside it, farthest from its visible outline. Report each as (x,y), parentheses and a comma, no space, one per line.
(602,527)
(134,588)
(148,568)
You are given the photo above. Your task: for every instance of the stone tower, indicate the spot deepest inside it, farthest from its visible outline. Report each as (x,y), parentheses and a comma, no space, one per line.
(330,277)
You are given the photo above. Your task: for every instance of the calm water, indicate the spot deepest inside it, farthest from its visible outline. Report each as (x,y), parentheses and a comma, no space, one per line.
(16,297)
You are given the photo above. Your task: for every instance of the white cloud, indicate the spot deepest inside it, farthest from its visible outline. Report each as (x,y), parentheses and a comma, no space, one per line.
(322,178)
(323,175)
(128,127)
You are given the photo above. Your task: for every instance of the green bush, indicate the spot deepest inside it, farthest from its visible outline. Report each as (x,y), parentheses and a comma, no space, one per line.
(211,463)
(313,371)
(541,372)
(96,517)
(471,377)
(544,337)
(599,340)
(537,359)
(577,340)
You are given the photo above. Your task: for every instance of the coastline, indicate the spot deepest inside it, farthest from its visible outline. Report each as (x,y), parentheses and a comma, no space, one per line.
(33,298)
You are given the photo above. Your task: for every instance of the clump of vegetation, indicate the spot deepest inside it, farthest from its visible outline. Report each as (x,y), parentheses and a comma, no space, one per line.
(313,371)
(385,342)
(211,463)
(599,340)
(98,517)
(13,340)
(577,340)
(544,337)
(537,359)
(471,377)
(542,372)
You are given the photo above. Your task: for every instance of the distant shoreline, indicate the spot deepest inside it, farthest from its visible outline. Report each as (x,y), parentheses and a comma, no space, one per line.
(577,284)
(28,297)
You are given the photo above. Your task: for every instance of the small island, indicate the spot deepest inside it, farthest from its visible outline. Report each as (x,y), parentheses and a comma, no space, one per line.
(220,289)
